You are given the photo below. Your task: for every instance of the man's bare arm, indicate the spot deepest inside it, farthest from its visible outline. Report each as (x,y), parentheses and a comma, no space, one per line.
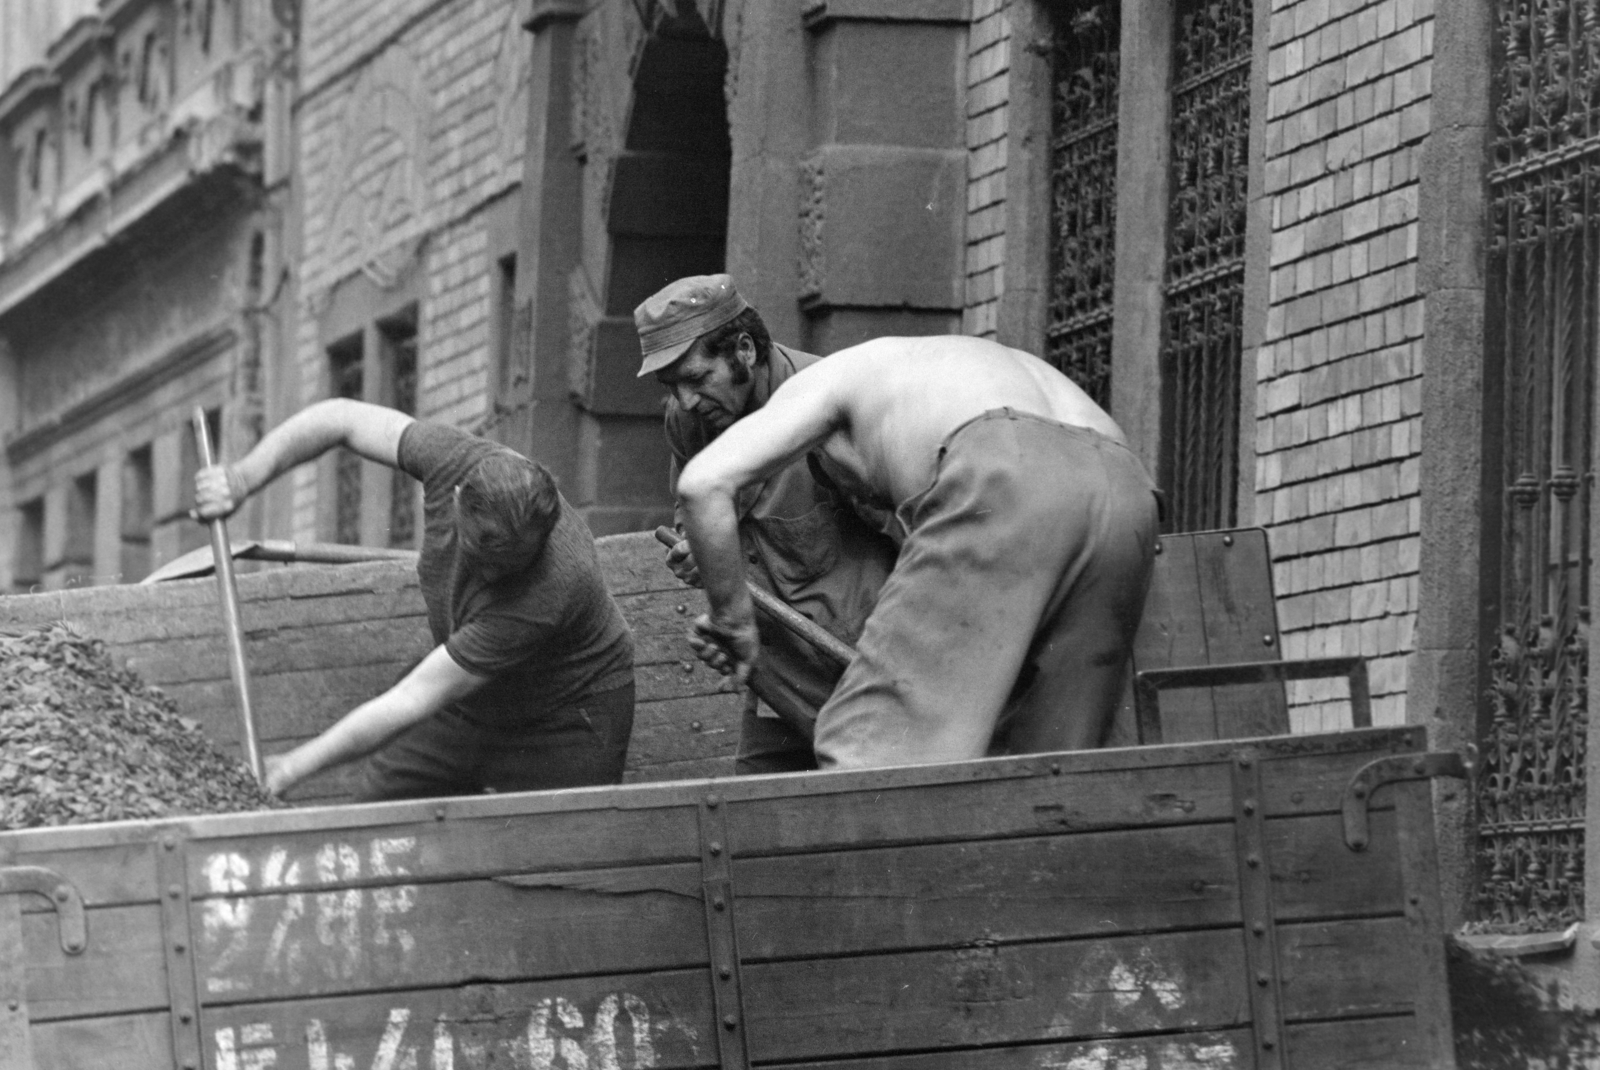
(435,683)
(372,431)
(798,416)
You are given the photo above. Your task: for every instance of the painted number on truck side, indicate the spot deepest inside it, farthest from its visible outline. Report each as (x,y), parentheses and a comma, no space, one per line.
(348,925)
(555,1035)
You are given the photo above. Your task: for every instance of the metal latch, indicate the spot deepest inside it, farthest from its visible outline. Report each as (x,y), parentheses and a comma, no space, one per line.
(61,894)
(1375,774)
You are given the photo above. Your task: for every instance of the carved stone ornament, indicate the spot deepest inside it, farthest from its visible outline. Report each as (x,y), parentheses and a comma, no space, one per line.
(380,172)
(813,189)
(512,73)
(583,317)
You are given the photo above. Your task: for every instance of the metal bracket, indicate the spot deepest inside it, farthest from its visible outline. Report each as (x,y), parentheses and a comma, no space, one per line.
(183,990)
(1380,771)
(716,868)
(61,894)
(1260,925)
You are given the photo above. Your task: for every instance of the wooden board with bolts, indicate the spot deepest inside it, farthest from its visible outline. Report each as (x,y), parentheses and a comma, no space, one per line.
(1192,904)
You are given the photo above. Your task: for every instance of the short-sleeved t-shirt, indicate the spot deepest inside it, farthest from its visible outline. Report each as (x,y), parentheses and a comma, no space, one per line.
(547,637)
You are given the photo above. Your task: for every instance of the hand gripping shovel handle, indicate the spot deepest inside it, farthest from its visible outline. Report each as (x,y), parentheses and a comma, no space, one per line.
(790,618)
(222,555)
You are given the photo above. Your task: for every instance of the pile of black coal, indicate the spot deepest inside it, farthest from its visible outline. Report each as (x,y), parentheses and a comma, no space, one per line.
(1505,1018)
(83,740)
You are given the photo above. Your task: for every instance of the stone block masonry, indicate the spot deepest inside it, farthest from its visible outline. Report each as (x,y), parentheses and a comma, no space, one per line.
(1339,372)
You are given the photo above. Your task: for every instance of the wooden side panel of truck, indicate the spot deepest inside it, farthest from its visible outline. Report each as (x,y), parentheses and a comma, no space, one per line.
(1193,905)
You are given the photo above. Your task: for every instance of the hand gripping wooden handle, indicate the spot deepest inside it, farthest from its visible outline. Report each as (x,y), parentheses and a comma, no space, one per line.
(781,612)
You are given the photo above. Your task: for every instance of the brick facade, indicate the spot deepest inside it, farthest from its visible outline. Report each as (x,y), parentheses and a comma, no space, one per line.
(411,128)
(988,93)
(1339,373)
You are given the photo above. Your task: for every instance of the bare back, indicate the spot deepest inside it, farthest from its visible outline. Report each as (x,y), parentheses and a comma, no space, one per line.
(900,397)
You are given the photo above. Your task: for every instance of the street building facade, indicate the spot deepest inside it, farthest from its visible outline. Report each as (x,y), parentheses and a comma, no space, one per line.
(1330,264)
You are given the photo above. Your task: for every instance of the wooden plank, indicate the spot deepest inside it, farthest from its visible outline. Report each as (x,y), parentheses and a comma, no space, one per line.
(634,1020)
(1314,875)
(635,562)
(1360,1044)
(435,934)
(1217,1050)
(119,1042)
(686,729)
(327,646)
(669,680)
(1001,891)
(1241,623)
(187,608)
(275,856)
(983,996)
(104,874)
(1088,884)
(1172,632)
(1425,926)
(697,769)
(660,629)
(940,812)
(1308,774)
(295,704)
(1346,969)
(122,971)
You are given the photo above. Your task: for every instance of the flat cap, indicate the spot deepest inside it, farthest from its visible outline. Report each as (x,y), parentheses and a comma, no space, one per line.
(670,319)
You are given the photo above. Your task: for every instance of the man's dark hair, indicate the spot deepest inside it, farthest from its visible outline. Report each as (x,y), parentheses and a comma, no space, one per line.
(509,506)
(722,341)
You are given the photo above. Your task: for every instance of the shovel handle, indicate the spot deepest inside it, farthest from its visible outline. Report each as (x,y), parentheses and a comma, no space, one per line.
(221,554)
(784,614)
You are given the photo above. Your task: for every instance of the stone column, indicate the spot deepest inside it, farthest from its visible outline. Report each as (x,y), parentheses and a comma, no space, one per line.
(1444,679)
(883,192)
(1144,150)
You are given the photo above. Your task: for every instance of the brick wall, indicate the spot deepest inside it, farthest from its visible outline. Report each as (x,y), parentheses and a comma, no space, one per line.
(416,113)
(1339,373)
(988,90)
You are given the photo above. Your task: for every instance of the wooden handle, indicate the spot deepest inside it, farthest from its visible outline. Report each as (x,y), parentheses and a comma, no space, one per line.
(790,618)
(221,553)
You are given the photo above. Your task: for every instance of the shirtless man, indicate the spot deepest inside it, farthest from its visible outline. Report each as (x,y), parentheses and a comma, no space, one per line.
(1028,531)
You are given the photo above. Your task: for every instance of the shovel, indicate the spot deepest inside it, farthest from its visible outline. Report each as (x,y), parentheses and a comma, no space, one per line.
(230,610)
(792,619)
(201,562)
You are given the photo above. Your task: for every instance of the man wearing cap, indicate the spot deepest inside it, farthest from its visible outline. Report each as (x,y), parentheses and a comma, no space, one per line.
(530,685)
(1027,528)
(710,348)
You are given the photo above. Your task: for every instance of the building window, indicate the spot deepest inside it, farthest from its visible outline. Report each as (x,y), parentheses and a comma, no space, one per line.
(77,552)
(138,514)
(27,561)
(1202,345)
(1083,192)
(399,343)
(346,379)
(41,140)
(1544,248)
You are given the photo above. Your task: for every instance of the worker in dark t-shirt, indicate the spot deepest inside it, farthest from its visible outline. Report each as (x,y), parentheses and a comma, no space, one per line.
(530,685)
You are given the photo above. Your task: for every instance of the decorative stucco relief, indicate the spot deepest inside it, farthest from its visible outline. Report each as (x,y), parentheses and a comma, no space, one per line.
(380,204)
(813,187)
(512,74)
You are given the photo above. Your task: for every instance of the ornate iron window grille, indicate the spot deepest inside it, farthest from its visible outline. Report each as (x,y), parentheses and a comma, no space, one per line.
(1544,251)
(1083,193)
(1202,339)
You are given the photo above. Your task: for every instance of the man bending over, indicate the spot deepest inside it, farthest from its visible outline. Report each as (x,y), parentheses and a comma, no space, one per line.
(1027,530)
(531,683)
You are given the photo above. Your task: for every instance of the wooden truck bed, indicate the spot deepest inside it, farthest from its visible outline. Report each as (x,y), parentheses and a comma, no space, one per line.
(1192,905)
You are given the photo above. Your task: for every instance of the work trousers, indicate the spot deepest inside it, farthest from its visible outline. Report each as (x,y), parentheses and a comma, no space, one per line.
(1008,620)
(450,754)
